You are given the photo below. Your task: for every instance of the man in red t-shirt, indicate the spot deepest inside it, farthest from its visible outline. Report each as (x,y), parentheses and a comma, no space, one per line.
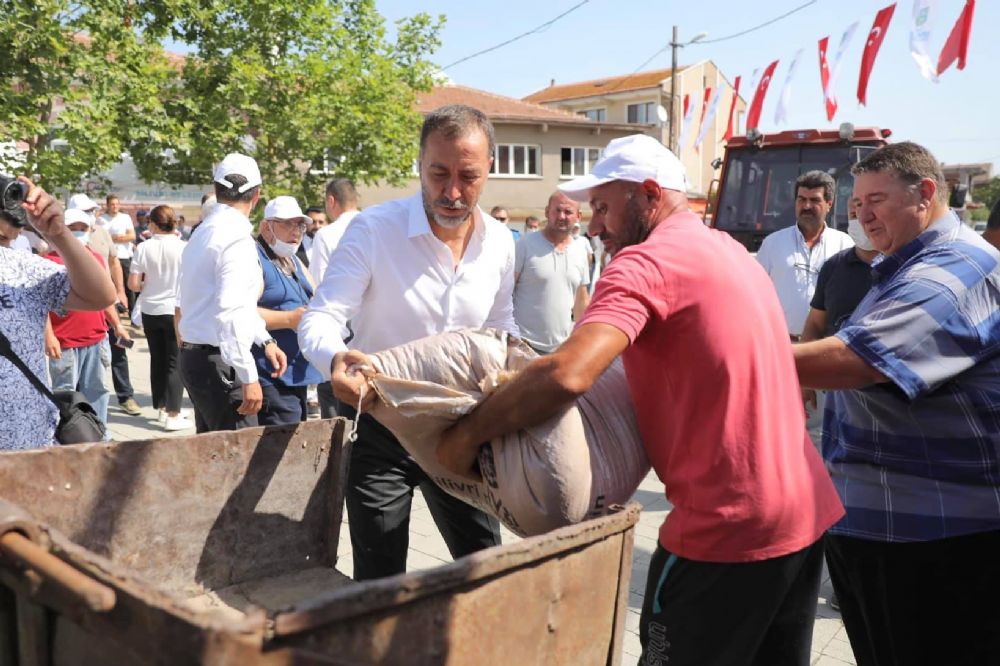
(736,573)
(77,344)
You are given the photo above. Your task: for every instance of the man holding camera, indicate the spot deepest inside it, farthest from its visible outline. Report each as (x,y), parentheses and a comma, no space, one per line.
(30,287)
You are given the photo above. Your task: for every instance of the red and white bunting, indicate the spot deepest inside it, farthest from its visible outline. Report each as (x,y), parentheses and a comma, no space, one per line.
(732,110)
(753,116)
(701,122)
(685,123)
(781,112)
(957,46)
(706,118)
(875,37)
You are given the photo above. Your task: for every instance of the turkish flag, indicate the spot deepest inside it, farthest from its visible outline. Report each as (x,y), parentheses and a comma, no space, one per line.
(824,79)
(753,116)
(875,37)
(732,110)
(704,110)
(957,45)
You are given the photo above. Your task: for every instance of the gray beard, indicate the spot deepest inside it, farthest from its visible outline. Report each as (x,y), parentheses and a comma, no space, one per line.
(450,222)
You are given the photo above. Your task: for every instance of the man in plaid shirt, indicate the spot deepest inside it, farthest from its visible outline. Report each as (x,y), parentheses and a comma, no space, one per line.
(912,436)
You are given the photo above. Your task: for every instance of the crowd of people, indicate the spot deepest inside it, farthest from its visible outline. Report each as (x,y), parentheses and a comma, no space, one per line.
(883,343)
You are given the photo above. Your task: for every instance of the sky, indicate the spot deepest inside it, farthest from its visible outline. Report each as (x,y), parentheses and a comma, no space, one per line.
(958,118)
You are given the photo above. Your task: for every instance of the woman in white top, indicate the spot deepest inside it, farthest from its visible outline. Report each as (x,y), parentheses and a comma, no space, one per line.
(155,274)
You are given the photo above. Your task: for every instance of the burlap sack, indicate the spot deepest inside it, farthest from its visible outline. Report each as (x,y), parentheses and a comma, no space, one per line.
(565,470)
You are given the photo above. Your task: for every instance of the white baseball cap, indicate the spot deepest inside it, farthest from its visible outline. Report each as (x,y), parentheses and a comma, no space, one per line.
(635,158)
(239,165)
(82,202)
(284,208)
(75,215)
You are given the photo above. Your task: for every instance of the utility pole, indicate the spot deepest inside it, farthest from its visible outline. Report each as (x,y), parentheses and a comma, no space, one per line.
(674,45)
(673,88)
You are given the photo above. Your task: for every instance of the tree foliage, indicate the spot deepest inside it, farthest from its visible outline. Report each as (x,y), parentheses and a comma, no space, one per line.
(987,193)
(299,84)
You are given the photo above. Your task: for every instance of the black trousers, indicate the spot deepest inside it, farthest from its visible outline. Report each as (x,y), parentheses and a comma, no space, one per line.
(931,602)
(164,374)
(380,487)
(215,390)
(327,403)
(758,613)
(283,405)
(130,295)
(119,370)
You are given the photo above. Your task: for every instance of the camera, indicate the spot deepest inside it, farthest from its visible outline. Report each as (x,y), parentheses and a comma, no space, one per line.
(12,194)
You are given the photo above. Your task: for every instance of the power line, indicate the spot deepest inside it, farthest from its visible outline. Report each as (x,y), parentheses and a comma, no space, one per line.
(534,30)
(650,59)
(758,27)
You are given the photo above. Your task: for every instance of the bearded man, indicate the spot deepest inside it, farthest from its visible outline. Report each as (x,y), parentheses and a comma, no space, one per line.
(736,573)
(404,270)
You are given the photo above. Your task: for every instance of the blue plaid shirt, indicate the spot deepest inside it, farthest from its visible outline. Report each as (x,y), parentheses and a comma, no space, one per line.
(918,458)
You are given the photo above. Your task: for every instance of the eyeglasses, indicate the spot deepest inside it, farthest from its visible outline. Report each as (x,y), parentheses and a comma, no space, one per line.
(291,225)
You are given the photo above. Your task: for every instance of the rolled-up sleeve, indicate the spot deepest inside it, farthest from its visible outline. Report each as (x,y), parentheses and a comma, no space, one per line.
(501,315)
(338,297)
(238,325)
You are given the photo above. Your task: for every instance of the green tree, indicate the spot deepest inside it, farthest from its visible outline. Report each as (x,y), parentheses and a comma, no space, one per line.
(988,193)
(308,87)
(76,75)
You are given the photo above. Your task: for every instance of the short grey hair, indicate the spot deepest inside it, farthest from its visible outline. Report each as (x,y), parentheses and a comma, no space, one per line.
(813,179)
(456,120)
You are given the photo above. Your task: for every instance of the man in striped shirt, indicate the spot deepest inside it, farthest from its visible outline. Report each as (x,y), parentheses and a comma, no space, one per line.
(912,436)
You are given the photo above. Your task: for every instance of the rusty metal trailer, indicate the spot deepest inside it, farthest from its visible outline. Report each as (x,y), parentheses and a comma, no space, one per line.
(222,549)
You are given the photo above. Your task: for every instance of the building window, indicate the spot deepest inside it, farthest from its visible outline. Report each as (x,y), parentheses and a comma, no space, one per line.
(515,160)
(642,114)
(598,115)
(577,161)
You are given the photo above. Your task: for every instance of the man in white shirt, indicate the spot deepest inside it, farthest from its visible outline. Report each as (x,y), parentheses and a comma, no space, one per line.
(218,319)
(551,274)
(341,207)
(122,231)
(406,269)
(793,256)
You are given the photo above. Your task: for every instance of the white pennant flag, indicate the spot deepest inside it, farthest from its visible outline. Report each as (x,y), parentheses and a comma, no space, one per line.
(920,37)
(754,79)
(781,113)
(685,124)
(709,115)
(839,59)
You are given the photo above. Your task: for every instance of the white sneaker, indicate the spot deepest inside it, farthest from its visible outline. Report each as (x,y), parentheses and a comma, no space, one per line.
(161,417)
(179,422)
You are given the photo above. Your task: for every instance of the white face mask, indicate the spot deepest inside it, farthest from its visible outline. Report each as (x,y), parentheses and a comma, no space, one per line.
(280,247)
(857,234)
(83,236)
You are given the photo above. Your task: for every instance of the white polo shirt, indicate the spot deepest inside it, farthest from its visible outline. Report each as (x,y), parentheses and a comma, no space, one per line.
(794,268)
(118,225)
(325,243)
(395,281)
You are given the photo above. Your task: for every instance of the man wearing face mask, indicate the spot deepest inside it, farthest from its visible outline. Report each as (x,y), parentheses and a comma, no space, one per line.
(403,270)
(287,289)
(219,322)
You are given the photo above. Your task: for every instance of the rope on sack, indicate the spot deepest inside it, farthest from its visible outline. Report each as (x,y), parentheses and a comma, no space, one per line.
(352,435)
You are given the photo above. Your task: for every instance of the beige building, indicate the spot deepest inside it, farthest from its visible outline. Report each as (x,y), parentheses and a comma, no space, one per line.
(636,100)
(536,149)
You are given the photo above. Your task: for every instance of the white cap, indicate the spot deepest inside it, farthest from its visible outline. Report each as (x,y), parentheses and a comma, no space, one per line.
(284,208)
(635,158)
(240,165)
(82,202)
(75,215)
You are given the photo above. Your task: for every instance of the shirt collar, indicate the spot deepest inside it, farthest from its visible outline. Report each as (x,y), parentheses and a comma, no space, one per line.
(418,225)
(226,213)
(941,228)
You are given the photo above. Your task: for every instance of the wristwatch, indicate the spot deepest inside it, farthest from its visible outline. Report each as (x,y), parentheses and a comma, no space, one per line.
(269,341)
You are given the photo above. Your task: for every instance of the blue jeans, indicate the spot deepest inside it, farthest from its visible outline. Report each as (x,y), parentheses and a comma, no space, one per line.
(83,369)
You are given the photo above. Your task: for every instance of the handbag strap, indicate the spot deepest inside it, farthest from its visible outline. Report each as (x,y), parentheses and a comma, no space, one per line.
(8,352)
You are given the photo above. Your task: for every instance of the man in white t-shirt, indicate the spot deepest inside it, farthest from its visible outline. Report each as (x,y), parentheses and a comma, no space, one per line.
(551,274)
(793,256)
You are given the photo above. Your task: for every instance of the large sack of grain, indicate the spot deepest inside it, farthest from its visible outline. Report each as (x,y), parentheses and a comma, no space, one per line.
(572,467)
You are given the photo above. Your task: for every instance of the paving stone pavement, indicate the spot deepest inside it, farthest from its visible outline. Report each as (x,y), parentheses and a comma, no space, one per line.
(427,549)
